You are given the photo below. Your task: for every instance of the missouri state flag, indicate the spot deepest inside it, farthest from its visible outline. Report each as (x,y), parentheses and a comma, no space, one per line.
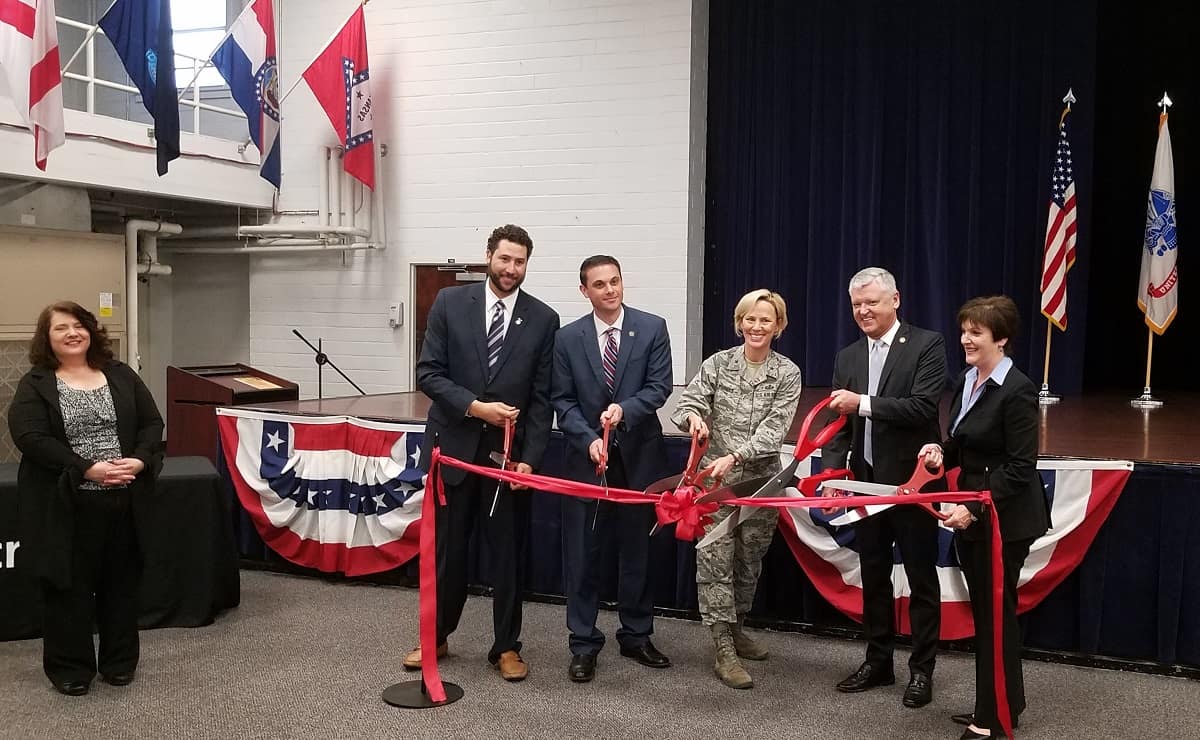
(249,65)
(341,82)
(338,494)
(1081,494)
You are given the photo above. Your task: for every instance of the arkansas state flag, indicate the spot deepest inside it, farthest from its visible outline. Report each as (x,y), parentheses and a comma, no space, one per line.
(1081,493)
(340,81)
(337,494)
(29,61)
(247,62)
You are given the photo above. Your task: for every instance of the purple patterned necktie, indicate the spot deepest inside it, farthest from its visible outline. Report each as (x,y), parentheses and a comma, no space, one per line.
(610,361)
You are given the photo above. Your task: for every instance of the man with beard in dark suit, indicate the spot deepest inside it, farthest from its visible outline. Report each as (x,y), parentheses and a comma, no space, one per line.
(486,362)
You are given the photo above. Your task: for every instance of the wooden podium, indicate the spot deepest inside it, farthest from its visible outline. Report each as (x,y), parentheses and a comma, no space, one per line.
(194,393)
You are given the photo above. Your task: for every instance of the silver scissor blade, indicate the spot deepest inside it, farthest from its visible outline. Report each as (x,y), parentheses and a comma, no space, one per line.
(858,486)
(498,458)
(736,490)
(849,516)
(775,484)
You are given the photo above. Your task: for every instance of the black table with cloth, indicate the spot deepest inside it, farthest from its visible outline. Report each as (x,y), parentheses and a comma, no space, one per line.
(189,553)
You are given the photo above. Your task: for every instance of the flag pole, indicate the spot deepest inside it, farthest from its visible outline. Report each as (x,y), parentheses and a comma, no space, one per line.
(91,32)
(1045,397)
(321,50)
(1147,399)
(208,61)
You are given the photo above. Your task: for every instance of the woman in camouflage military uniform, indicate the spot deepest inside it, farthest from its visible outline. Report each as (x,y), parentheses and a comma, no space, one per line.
(745,398)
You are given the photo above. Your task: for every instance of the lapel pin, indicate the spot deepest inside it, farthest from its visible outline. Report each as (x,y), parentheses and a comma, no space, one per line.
(903,340)
(631,332)
(518,320)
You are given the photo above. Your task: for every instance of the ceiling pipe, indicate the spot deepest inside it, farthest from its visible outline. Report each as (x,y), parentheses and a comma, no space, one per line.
(133,227)
(197,249)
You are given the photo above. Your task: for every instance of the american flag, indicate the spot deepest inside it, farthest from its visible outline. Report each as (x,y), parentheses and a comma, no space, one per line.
(1059,252)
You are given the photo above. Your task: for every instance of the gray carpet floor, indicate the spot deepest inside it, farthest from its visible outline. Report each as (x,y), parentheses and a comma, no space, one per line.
(303,658)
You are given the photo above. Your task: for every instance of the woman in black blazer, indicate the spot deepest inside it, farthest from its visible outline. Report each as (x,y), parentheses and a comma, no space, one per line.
(993,439)
(90,438)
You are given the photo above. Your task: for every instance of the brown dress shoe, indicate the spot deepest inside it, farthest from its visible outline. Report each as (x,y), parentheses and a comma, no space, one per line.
(412,661)
(511,667)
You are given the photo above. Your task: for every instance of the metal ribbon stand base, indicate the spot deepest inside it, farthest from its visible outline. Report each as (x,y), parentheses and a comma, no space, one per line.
(413,695)
(1046,398)
(1146,400)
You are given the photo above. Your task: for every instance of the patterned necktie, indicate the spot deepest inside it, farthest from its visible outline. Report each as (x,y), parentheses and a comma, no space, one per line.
(874,370)
(495,336)
(610,361)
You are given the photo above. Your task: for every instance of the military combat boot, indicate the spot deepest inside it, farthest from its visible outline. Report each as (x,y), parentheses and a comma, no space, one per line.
(727,666)
(746,645)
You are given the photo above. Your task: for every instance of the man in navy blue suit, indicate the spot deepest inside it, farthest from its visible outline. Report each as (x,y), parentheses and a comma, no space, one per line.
(613,366)
(485,362)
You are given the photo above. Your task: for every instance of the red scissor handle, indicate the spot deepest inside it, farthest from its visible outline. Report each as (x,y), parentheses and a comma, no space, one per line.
(509,431)
(699,447)
(806,445)
(603,464)
(922,475)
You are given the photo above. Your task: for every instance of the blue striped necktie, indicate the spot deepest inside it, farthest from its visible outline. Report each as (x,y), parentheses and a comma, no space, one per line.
(495,336)
(610,361)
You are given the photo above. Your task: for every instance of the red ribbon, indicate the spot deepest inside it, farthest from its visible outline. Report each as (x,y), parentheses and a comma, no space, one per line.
(681,507)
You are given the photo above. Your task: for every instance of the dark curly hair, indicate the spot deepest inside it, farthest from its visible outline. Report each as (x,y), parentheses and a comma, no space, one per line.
(99,352)
(512,233)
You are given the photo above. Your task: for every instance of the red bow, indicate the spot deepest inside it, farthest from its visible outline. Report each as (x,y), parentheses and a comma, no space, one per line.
(680,507)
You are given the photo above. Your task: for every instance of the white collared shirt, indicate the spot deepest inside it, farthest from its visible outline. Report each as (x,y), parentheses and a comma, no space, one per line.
(489,307)
(885,343)
(602,327)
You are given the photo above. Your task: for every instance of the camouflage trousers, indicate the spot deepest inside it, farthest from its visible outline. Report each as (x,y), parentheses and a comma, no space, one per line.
(727,570)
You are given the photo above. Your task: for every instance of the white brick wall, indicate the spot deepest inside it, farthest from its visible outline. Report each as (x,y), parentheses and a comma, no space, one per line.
(569,117)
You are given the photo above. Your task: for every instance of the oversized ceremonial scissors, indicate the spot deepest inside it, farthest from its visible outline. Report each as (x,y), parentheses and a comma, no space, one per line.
(691,476)
(921,475)
(502,459)
(602,468)
(770,485)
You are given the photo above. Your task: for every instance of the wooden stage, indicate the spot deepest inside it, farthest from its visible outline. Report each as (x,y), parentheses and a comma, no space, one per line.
(1096,427)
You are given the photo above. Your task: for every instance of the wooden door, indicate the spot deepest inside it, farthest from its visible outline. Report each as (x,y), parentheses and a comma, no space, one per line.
(427,281)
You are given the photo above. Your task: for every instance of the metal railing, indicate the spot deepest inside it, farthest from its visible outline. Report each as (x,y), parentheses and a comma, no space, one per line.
(90,79)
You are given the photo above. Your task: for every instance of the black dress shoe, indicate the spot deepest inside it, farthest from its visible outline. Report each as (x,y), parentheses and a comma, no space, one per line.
(919,691)
(868,676)
(582,669)
(647,655)
(117,679)
(968,718)
(72,688)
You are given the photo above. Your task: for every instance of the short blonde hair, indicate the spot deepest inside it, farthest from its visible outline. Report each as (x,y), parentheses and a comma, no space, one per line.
(747,303)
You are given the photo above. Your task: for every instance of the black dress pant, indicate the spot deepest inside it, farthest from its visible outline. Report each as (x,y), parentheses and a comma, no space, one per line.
(915,533)
(105,575)
(467,506)
(974,557)
(627,527)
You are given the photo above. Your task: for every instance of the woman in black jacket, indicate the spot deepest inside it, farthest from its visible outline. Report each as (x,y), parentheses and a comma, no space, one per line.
(90,438)
(993,439)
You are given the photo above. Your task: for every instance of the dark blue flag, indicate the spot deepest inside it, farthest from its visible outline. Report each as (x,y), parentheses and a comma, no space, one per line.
(141,32)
